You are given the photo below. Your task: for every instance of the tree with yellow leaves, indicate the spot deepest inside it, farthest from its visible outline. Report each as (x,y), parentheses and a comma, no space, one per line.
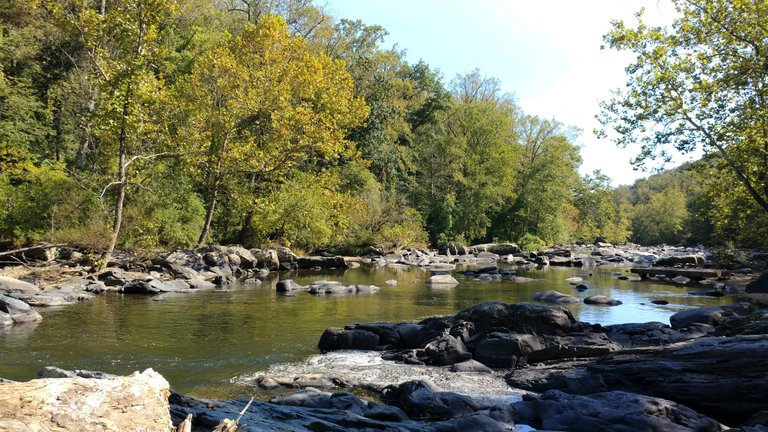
(261,105)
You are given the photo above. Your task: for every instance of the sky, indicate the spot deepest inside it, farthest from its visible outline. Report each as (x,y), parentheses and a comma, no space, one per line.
(545,52)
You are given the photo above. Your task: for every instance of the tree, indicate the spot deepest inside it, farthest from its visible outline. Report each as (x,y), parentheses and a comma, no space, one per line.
(662,219)
(123,45)
(259,106)
(465,162)
(701,84)
(601,215)
(546,175)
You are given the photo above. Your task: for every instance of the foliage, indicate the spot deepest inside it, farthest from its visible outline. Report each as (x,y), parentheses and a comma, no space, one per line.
(700,84)
(601,216)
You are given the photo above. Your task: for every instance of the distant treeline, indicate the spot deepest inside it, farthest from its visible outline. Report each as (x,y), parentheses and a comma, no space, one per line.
(158,124)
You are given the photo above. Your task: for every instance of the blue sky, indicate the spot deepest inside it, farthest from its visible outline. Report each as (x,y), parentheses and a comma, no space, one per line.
(545,52)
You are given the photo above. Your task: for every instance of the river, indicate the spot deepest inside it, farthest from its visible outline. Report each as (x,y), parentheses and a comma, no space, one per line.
(208,343)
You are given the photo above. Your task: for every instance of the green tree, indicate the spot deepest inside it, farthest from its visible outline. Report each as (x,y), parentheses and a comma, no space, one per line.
(601,215)
(546,176)
(260,106)
(662,219)
(465,161)
(701,84)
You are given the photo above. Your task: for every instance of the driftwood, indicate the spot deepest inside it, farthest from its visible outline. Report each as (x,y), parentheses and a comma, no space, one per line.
(228,425)
(186,425)
(30,248)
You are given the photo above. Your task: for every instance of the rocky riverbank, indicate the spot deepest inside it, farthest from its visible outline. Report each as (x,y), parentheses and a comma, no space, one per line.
(60,275)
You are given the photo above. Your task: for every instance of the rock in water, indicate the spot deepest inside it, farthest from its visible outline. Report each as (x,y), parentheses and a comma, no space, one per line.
(132,403)
(602,300)
(442,279)
(551,296)
(16,311)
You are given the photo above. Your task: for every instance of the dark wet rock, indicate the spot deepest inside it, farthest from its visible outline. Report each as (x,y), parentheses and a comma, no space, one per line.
(759,285)
(16,311)
(601,300)
(321,262)
(287,285)
(708,293)
(422,400)
(114,277)
(713,315)
(755,323)
(338,338)
(672,261)
(552,296)
(706,374)
(385,413)
(611,411)
(519,318)
(581,287)
(445,350)
(308,397)
(653,334)
(471,366)
(139,287)
(222,280)
(506,350)
(660,302)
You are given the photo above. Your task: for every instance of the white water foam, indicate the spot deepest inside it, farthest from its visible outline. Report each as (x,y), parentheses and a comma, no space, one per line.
(368,369)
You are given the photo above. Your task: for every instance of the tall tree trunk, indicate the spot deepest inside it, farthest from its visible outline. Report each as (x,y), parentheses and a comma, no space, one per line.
(212,198)
(121,184)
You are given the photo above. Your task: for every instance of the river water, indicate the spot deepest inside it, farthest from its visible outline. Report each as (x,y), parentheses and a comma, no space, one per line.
(212,343)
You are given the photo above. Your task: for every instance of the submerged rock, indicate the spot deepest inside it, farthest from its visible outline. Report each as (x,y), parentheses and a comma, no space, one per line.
(552,296)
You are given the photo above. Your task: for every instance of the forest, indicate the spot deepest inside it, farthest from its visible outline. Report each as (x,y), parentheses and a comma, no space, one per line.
(159,124)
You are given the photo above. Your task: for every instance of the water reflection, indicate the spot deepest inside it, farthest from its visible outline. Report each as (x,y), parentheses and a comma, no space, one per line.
(199,341)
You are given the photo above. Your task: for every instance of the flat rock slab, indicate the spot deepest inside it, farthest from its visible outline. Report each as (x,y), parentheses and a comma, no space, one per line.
(13,284)
(136,402)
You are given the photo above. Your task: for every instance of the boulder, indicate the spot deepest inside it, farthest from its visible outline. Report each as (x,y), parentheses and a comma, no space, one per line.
(139,287)
(551,296)
(614,411)
(247,261)
(422,400)
(132,403)
(712,315)
(518,317)
(759,285)
(723,378)
(337,339)
(601,300)
(9,284)
(336,262)
(18,311)
(199,284)
(672,261)
(506,350)
(442,279)
(470,366)
(53,298)
(444,351)
(287,285)
(266,258)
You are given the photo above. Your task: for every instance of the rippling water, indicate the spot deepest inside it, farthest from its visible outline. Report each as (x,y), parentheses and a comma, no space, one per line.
(208,344)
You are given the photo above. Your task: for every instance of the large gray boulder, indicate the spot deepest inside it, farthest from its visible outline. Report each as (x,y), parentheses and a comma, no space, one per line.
(9,284)
(519,317)
(18,311)
(611,411)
